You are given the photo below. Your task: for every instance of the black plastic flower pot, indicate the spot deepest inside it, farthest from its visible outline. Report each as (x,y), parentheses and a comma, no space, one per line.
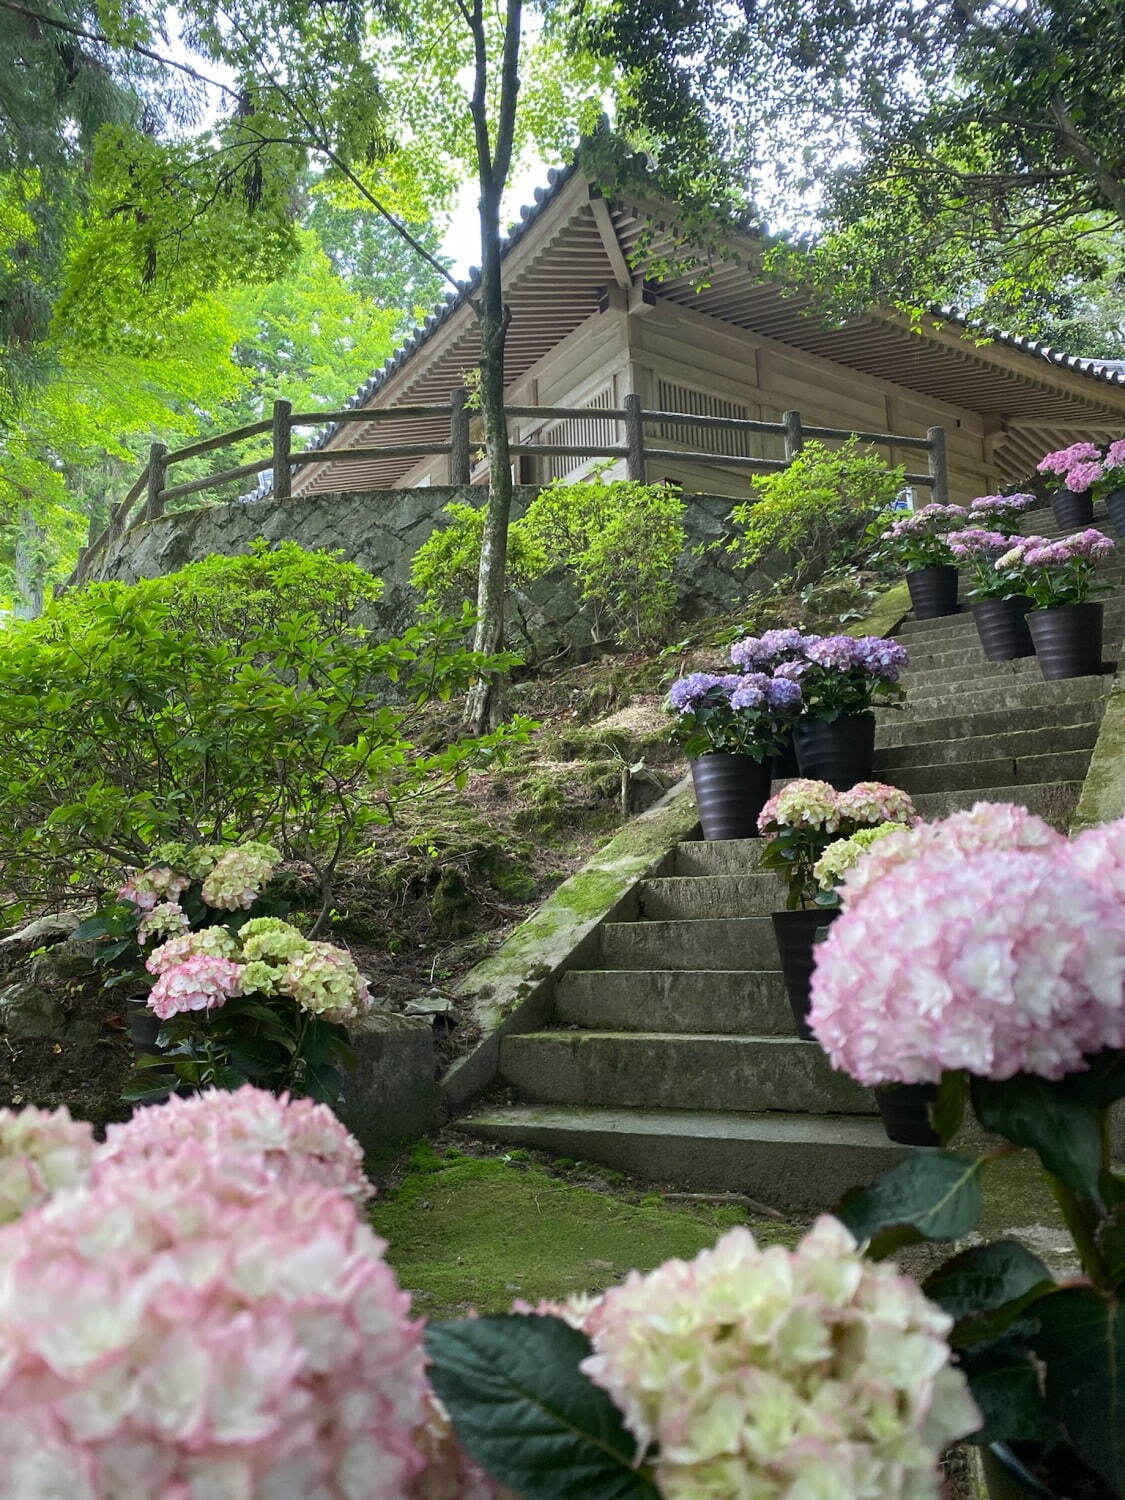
(1115,508)
(933,591)
(784,764)
(730,792)
(144,1027)
(1068,639)
(795,933)
(840,752)
(1028,1471)
(1002,627)
(905,1111)
(1073,508)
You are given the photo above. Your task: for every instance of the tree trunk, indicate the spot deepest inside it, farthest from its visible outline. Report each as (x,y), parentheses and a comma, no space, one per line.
(483,708)
(30,567)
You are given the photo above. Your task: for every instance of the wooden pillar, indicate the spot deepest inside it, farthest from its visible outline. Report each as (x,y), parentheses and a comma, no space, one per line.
(635,439)
(460,468)
(282,437)
(938,469)
(794,435)
(157,470)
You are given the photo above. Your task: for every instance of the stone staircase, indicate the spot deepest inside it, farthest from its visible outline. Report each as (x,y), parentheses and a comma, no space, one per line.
(675,1057)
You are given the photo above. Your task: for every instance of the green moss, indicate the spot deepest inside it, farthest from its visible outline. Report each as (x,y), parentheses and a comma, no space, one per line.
(482,1232)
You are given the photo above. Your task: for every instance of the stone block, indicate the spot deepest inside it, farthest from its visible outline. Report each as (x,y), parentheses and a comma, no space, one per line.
(30,1010)
(391,1094)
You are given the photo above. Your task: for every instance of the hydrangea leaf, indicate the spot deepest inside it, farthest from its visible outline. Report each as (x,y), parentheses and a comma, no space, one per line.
(1061,1129)
(930,1196)
(986,1288)
(949,1107)
(1081,1340)
(527,1414)
(1005,1383)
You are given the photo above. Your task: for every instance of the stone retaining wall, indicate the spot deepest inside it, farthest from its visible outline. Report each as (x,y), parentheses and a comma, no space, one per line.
(382,529)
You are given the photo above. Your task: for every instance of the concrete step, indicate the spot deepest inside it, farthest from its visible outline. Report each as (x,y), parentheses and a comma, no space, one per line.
(697,896)
(1025,770)
(789,1161)
(1022,694)
(907,731)
(712,943)
(960,629)
(975,673)
(957,752)
(1054,801)
(734,1001)
(717,856)
(667,1070)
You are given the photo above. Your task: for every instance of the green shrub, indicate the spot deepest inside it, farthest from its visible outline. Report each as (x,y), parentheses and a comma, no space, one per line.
(444,569)
(815,511)
(179,709)
(620,541)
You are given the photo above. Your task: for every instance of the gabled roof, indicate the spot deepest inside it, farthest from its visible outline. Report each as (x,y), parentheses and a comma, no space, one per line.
(557,260)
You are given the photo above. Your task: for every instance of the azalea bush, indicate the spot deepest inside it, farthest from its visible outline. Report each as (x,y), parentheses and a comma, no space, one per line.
(243,996)
(736,713)
(124,723)
(806,818)
(984,955)
(1055,572)
(816,509)
(920,539)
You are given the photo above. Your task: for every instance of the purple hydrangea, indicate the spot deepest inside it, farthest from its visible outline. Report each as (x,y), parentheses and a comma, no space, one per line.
(835,651)
(762,650)
(880,657)
(793,670)
(687,693)
(783,693)
(750,693)
(975,541)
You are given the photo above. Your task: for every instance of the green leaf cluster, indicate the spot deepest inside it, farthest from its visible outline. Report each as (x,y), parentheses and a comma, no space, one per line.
(816,510)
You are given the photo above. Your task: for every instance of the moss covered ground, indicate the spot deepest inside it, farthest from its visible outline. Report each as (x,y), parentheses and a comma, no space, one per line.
(480,1231)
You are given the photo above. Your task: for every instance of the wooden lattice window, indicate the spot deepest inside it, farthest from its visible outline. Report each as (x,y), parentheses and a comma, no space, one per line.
(674,397)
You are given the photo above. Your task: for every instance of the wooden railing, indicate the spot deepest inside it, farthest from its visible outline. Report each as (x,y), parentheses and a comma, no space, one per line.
(637,452)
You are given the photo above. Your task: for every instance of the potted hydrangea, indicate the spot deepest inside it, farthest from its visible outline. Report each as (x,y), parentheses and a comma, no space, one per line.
(1058,575)
(983,958)
(800,825)
(730,725)
(842,677)
(917,543)
(764,653)
(1079,467)
(1112,484)
(996,511)
(999,609)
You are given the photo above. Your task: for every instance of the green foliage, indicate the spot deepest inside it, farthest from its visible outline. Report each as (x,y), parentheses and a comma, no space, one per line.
(619,541)
(931,1197)
(816,510)
(121,728)
(444,569)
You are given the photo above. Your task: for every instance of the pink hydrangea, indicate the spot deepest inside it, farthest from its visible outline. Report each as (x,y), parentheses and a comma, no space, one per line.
(1115,455)
(166,920)
(144,888)
(180,1334)
(775,1373)
(208,942)
(196,984)
(1098,856)
(986,825)
(875,802)
(1082,476)
(1063,459)
(289,1141)
(238,875)
(41,1151)
(990,961)
(802,803)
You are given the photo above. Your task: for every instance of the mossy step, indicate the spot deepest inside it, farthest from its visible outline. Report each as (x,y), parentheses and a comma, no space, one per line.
(1053,801)
(717,856)
(792,1161)
(734,1001)
(710,943)
(672,1070)
(697,896)
(1025,770)
(958,752)
(1021,694)
(901,731)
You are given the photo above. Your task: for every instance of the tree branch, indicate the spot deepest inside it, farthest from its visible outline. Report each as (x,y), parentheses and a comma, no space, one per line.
(1111,188)
(509,91)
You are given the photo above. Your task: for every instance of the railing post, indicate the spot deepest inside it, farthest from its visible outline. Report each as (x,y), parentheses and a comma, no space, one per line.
(157,470)
(282,433)
(794,435)
(635,439)
(938,470)
(460,466)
